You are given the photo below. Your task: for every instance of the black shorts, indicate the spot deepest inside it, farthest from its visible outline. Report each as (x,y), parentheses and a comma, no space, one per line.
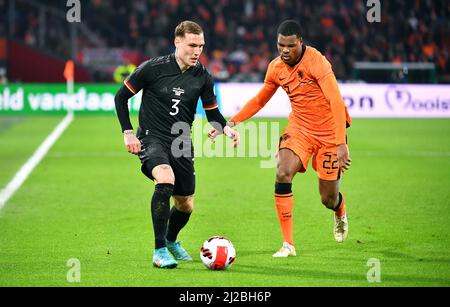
(155,152)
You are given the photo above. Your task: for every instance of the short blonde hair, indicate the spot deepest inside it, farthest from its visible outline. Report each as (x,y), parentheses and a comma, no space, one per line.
(187,27)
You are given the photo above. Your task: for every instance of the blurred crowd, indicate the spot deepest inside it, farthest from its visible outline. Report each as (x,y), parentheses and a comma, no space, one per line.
(240,35)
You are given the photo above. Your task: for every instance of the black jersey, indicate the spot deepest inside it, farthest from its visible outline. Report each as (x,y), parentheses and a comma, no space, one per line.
(170,96)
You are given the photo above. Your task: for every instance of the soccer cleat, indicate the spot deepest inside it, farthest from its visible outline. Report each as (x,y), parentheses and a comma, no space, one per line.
(285,251)
(178,252)
(340,228)
(162,259)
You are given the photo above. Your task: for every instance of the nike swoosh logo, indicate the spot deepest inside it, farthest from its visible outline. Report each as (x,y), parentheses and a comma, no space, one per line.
(281,79)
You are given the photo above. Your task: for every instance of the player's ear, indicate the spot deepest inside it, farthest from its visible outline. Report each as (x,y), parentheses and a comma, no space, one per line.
(177,41)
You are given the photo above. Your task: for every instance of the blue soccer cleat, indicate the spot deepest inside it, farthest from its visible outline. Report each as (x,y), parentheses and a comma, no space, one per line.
(162,259)
(178,251)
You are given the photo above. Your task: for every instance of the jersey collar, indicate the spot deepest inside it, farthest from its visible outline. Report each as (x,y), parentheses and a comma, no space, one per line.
(174,61)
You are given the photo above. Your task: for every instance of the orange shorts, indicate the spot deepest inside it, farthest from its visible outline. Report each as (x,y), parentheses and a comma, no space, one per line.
(324,156)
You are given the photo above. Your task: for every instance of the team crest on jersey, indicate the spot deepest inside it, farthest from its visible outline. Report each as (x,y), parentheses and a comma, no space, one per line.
(178,91)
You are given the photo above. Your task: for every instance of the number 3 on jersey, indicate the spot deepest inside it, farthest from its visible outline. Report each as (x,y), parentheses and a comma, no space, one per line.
(175,107)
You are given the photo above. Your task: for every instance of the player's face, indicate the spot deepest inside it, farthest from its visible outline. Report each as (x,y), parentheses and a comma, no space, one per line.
(189,48)
(289,47)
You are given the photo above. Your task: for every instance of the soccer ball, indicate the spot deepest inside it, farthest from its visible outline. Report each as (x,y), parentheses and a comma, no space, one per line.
(217,253)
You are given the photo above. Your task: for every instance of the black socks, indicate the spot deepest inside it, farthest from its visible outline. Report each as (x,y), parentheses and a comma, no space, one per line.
(283,188)
(160,212)
(177,221)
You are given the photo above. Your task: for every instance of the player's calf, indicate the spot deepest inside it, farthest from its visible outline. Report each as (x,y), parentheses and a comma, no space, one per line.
(334,200)
(329,193)
(160,208)
(329,202)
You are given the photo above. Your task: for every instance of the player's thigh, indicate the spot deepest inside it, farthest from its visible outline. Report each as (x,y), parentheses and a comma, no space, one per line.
(184,203)
(295,150)
(183,168)
(325,163)
(156,162)
(288,164)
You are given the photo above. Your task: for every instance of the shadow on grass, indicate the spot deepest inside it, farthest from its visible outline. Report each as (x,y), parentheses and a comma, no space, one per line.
(9,121)
(290,268)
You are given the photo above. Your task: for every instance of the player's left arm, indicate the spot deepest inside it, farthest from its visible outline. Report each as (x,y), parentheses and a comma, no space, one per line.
(215,118)
(329,86)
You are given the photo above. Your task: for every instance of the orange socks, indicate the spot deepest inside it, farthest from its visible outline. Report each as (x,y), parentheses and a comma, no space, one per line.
(339,211)
(284,204)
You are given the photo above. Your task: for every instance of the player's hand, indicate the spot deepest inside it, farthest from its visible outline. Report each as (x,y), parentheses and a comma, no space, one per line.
(212,134)
(232,134)
(131,142)
(343,157)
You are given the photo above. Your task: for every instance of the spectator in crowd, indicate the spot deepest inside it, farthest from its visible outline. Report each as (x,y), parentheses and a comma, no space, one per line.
(238,31)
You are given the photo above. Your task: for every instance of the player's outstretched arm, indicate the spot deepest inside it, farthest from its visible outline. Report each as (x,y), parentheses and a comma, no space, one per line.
(255,104)
(250,108)
(216,119)
(121,103)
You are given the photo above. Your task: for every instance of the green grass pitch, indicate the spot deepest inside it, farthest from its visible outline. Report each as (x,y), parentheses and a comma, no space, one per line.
(88,200)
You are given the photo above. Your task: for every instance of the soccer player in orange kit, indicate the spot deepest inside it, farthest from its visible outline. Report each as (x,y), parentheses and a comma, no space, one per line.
(316,128)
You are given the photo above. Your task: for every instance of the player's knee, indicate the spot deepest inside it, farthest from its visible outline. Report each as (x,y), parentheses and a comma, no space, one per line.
(166,179)
(164,175)
(284,175)
(184,203)
(159,173)
(329,201)
(186,208)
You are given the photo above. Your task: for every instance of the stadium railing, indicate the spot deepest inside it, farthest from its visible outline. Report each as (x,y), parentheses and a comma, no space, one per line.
(386,72)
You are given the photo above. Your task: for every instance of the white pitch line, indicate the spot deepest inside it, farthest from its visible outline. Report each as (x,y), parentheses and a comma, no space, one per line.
(28,167)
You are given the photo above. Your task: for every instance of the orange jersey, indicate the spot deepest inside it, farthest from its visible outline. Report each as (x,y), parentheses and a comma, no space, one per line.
(317,105)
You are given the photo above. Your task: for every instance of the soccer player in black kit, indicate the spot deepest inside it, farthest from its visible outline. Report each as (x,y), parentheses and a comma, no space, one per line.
(171,86)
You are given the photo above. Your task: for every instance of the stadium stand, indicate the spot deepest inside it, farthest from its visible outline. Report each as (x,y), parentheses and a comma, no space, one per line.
(240,35)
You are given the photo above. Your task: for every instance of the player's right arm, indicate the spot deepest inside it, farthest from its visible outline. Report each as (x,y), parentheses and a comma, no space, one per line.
(133,84)
(259,101)
(255,104)
(121,102)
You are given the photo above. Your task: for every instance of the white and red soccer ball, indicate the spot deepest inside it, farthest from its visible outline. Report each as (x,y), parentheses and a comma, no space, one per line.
(217,253)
